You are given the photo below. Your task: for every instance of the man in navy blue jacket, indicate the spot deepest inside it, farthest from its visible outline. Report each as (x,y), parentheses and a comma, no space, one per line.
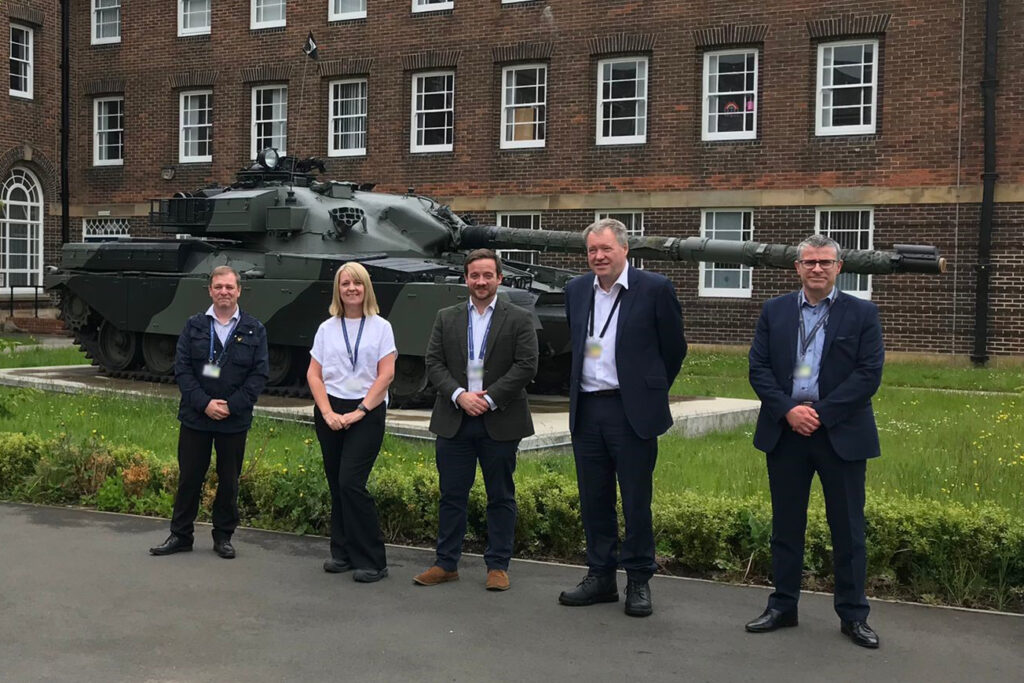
(626,328)
(815,363)
(221,366)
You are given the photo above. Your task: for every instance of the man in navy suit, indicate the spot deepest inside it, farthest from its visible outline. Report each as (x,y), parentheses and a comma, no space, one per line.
(815,363)
(626,328)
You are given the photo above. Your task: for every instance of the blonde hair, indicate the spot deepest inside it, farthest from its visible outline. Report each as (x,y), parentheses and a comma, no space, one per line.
(358,273)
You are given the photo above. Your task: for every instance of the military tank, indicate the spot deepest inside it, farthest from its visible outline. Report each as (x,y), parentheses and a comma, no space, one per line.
(286,232)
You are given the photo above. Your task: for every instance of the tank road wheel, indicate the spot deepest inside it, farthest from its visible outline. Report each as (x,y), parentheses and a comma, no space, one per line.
(410,381)
(158,353)
(73,310)
(281,365)
(119,350)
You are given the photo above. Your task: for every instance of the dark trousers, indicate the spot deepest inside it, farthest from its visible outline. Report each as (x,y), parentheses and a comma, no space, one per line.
(194,449)
(456,467)
(791,466)
(349,455)
(606,448)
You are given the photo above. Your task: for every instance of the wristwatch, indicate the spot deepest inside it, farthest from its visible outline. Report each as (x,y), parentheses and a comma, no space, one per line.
(362,408)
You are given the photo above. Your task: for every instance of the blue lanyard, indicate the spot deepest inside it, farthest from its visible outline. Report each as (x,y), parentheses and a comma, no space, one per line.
(213,334)
(353,357)
(807,337)
(469,332)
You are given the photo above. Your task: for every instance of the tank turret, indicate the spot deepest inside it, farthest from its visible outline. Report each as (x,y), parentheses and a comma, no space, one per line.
(287,232)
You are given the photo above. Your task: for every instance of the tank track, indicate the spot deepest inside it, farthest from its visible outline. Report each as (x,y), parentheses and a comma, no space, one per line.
(88,342)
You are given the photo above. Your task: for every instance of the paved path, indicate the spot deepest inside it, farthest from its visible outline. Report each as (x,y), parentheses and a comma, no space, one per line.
(81,600)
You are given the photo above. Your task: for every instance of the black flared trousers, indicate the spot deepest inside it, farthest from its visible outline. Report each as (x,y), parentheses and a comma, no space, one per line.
(349,455)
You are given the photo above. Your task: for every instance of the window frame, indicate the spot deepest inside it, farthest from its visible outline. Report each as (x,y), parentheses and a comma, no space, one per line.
(536,223)
(507,109)
(116,220)
(183,158)
(94,10)
(255,25)
(426,149)
(96,131)
(870,210)
(355,151)
(34,191)
(182,31)
(419,6)
(253,147)
(705,133)
(30,67)
(822,130)
(713,292)
(338,15)
(622,139)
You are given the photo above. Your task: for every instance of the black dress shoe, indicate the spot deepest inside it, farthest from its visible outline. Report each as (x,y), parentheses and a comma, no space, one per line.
(772,619)
(224,549)
(591,590)
(369,575)
(638,599)
(336,566)
(860,633)
(173,544)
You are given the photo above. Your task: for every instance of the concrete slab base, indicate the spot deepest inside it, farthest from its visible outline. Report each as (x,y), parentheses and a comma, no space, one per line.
(693,416)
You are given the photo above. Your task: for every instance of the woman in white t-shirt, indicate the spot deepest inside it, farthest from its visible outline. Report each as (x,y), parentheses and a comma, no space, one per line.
(351,366)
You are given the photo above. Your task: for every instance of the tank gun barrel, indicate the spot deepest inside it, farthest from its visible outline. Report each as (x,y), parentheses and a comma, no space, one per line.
(904,258)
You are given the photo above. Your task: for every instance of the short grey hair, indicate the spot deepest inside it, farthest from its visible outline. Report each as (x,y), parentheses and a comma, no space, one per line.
(819,241)
(617,227)
(225,270)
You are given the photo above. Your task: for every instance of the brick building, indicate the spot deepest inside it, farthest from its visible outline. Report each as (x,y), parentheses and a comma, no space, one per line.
(752,120)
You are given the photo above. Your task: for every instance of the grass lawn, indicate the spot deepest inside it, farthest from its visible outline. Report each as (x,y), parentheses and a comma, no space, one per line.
(938,444)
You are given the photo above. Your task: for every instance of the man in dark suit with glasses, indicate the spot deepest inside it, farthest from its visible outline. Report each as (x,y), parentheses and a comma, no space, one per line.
(815,363)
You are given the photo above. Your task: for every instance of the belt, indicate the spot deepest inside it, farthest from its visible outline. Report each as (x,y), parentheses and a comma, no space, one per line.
(602,393)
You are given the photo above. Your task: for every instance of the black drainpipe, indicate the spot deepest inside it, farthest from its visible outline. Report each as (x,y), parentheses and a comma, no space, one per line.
(65,116)
(989,176)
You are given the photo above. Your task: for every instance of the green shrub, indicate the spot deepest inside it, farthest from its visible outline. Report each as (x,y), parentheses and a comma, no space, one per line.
(111,495)
(918,548)
(19,454)
(396,503)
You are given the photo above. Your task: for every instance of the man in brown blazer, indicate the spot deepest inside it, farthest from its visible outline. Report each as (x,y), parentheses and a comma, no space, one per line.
(480,357)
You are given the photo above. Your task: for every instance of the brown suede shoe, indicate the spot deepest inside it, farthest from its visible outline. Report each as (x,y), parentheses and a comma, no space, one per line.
(434,576)
(497,580)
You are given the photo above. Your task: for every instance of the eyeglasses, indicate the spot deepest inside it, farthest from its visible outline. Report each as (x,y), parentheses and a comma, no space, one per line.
(810,263)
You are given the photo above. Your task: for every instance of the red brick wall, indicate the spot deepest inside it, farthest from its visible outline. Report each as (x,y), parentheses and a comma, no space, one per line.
(35,122)
(916,143)
(920,126)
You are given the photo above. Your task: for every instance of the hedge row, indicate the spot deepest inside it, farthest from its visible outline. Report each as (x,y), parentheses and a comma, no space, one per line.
(919,549)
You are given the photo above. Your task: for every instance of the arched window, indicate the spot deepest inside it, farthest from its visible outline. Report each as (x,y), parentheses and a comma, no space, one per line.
(21,230)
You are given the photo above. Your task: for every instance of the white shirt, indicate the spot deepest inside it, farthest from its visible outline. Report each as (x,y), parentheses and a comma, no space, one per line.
(223,330)
(341,380)
(600,373)
(480,323)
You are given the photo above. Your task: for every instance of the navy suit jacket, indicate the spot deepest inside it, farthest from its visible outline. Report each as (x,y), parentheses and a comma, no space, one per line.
(851,370)
(649,347)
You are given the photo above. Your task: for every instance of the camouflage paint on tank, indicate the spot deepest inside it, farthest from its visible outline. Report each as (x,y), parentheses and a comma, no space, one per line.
(287,234)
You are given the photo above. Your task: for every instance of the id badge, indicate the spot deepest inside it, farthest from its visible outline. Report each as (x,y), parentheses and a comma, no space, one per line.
(352,385)
(475,371)
(211,370)
(802,371)
(593,348)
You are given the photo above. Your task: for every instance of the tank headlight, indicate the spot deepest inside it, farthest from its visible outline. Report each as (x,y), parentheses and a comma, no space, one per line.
(268,158)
